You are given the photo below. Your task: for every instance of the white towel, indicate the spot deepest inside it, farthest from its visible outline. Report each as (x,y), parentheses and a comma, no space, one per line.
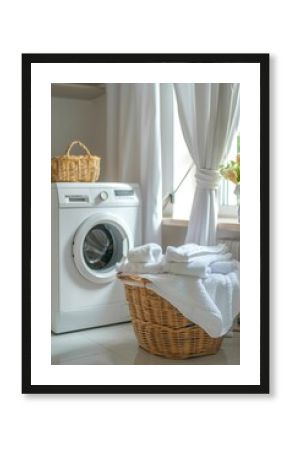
(138,267)
(200,266)
(145,253)
(188,252)
(211,303)
(225,266)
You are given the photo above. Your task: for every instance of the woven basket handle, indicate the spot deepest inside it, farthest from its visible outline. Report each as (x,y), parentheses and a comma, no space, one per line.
(80,144)
(133,278)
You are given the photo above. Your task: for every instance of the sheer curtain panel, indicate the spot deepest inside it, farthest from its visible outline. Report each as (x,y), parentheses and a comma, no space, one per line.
(134,147)
(209,115)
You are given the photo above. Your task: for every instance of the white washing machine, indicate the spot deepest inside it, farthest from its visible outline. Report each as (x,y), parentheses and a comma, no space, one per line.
(93,226)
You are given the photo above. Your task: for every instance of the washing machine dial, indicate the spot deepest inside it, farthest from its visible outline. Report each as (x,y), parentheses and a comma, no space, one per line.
(103,195)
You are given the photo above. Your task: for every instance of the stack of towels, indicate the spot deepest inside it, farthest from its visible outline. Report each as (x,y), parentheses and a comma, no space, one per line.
(199,261)
(189,259)
(202,282)
(145,259)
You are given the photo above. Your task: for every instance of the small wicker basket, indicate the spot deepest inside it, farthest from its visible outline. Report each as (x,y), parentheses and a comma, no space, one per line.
(75,168)
(160,328)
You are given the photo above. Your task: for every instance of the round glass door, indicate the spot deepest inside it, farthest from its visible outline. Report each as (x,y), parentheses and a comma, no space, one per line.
(103,247)
(99,244)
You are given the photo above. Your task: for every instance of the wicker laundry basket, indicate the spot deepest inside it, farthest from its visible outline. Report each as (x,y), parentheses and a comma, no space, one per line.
(75,168)
(160,328)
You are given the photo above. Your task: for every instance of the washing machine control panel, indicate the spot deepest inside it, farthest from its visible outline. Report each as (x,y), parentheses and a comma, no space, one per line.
(123,192)
(115,197)
(91,195)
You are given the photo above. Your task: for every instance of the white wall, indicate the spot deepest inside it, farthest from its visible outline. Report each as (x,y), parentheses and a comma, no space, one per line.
(173,234)
(84,120)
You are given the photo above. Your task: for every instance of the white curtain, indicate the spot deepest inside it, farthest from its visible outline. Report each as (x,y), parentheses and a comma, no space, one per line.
(209,116)
(134,147)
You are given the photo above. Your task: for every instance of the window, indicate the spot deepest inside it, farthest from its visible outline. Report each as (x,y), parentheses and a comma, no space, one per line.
(227,199)
(181,182)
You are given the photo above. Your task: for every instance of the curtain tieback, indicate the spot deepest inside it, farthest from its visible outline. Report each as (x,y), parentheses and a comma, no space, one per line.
(207,178)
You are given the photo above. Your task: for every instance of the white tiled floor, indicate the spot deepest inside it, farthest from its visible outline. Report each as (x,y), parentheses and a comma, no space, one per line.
(116,344)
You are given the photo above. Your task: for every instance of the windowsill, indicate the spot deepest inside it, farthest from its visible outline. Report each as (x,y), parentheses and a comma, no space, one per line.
(223,222)
(227,228)
(170,222)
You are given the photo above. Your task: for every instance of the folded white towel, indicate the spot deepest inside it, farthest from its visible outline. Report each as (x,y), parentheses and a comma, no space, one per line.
(192,269)
(188,252)
(145,253)
(224,266)
(138,267)
(211,303)
(200,266)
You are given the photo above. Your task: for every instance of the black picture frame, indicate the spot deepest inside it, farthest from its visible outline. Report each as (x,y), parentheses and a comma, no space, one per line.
(263,61)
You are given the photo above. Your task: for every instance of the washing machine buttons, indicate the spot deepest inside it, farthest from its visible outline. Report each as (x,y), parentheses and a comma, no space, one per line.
(103,195)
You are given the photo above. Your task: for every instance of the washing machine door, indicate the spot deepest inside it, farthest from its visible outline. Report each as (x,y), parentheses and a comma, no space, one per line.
(100,243)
